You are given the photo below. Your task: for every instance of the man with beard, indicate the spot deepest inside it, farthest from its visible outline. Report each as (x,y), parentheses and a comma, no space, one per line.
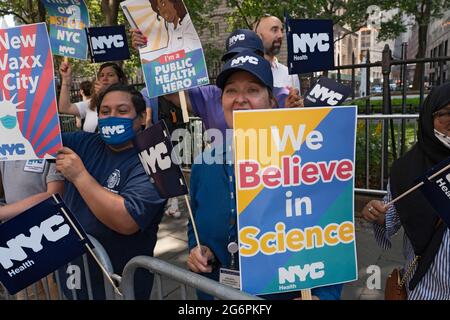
(270,29)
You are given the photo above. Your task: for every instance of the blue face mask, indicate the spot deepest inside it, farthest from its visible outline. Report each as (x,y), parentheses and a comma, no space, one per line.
(116,130)
(9,122)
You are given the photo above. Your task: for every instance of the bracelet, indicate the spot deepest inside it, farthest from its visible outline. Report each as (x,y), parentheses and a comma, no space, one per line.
(66,84)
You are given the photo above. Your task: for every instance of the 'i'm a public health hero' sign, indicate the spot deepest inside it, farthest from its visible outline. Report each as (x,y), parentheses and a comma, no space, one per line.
(173,58)
(310,45)
(295,183)
(68,19)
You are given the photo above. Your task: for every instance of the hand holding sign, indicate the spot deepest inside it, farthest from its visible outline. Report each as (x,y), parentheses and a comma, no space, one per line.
(375,211)
(69,164)
(138,40)
(198,261)
(294,100)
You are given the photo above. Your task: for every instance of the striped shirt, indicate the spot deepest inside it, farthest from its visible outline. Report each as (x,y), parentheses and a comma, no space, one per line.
(435,284)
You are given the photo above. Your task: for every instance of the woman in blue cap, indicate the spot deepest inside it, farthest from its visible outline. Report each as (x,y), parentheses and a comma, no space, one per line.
(247,83)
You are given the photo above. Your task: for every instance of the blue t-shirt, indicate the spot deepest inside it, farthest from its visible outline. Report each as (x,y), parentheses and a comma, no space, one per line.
(123,174)
(215,217)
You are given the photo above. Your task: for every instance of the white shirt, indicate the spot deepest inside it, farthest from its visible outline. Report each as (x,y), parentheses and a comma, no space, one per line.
(183,37)
(281,77)
(90,116)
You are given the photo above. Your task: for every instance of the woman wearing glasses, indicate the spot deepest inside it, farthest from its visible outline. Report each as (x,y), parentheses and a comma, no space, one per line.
(427,238)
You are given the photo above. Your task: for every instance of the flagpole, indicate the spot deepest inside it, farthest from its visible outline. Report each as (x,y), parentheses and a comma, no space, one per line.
(186,199)
(416,186)
(89,248)
(194,227)
(305,294)
(183,103)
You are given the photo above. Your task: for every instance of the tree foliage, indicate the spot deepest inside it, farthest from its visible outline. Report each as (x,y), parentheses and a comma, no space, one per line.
(419,12)
(351,13)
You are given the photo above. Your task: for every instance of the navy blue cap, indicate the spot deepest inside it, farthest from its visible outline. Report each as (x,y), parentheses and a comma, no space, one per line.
(241,40)
(250,62)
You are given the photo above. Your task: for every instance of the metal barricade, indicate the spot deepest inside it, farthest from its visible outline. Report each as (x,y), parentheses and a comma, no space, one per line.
(184,277)
(67,123)
(44,289)
(371,162)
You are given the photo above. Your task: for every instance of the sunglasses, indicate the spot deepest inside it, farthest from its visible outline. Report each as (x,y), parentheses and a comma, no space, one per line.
(265,15)
(443,116)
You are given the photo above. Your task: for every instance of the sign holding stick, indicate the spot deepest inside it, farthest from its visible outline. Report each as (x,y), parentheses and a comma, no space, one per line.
(37,242)
(108,43)
(326,92)
(155,151)
(435,186)
(310,45)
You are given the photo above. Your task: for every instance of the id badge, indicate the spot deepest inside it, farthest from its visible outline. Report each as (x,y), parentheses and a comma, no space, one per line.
(230,278)
(36,166)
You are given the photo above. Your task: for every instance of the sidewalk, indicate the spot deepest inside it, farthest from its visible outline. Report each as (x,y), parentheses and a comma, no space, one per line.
(172,247)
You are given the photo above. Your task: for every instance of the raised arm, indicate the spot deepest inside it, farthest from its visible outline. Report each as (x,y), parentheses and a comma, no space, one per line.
(65,106)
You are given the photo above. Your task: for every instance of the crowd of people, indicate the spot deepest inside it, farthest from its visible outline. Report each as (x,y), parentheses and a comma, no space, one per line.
(105,186)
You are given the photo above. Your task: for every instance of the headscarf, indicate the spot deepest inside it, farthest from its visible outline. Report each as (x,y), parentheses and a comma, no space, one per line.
(418,218)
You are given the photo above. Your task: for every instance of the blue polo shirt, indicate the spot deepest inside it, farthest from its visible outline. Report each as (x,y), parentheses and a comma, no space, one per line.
(213,202)
(123,174)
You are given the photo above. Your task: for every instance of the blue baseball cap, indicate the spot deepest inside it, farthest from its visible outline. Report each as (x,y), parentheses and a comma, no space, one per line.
(242,40)
(247,61)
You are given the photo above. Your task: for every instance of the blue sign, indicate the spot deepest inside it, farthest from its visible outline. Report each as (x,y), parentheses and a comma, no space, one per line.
(155,150)
(295,202)
(310,45)
(326,92)
(67,23)
(37,242)
(108,43)
(437,190)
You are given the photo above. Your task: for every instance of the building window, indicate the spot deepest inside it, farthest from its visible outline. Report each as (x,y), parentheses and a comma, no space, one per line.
(215,30)
(365,39)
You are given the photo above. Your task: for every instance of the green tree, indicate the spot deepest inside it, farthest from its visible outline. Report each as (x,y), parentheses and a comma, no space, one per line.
(349,13)
(24,11)
(422,12)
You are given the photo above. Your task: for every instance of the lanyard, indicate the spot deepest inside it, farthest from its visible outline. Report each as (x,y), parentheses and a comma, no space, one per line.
(232,245)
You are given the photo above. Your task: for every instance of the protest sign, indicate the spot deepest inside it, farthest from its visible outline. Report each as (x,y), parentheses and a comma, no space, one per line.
(310,45)
(326,92)
(173,60)
(155,151)
(29,122)
(295,184)
(108,43)
(67,22)
(437,189)
(37,242)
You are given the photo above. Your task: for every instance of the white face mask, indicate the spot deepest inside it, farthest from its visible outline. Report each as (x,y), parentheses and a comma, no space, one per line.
(442,138)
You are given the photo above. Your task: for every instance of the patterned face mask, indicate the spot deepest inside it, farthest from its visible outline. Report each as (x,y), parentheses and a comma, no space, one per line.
(442,138)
